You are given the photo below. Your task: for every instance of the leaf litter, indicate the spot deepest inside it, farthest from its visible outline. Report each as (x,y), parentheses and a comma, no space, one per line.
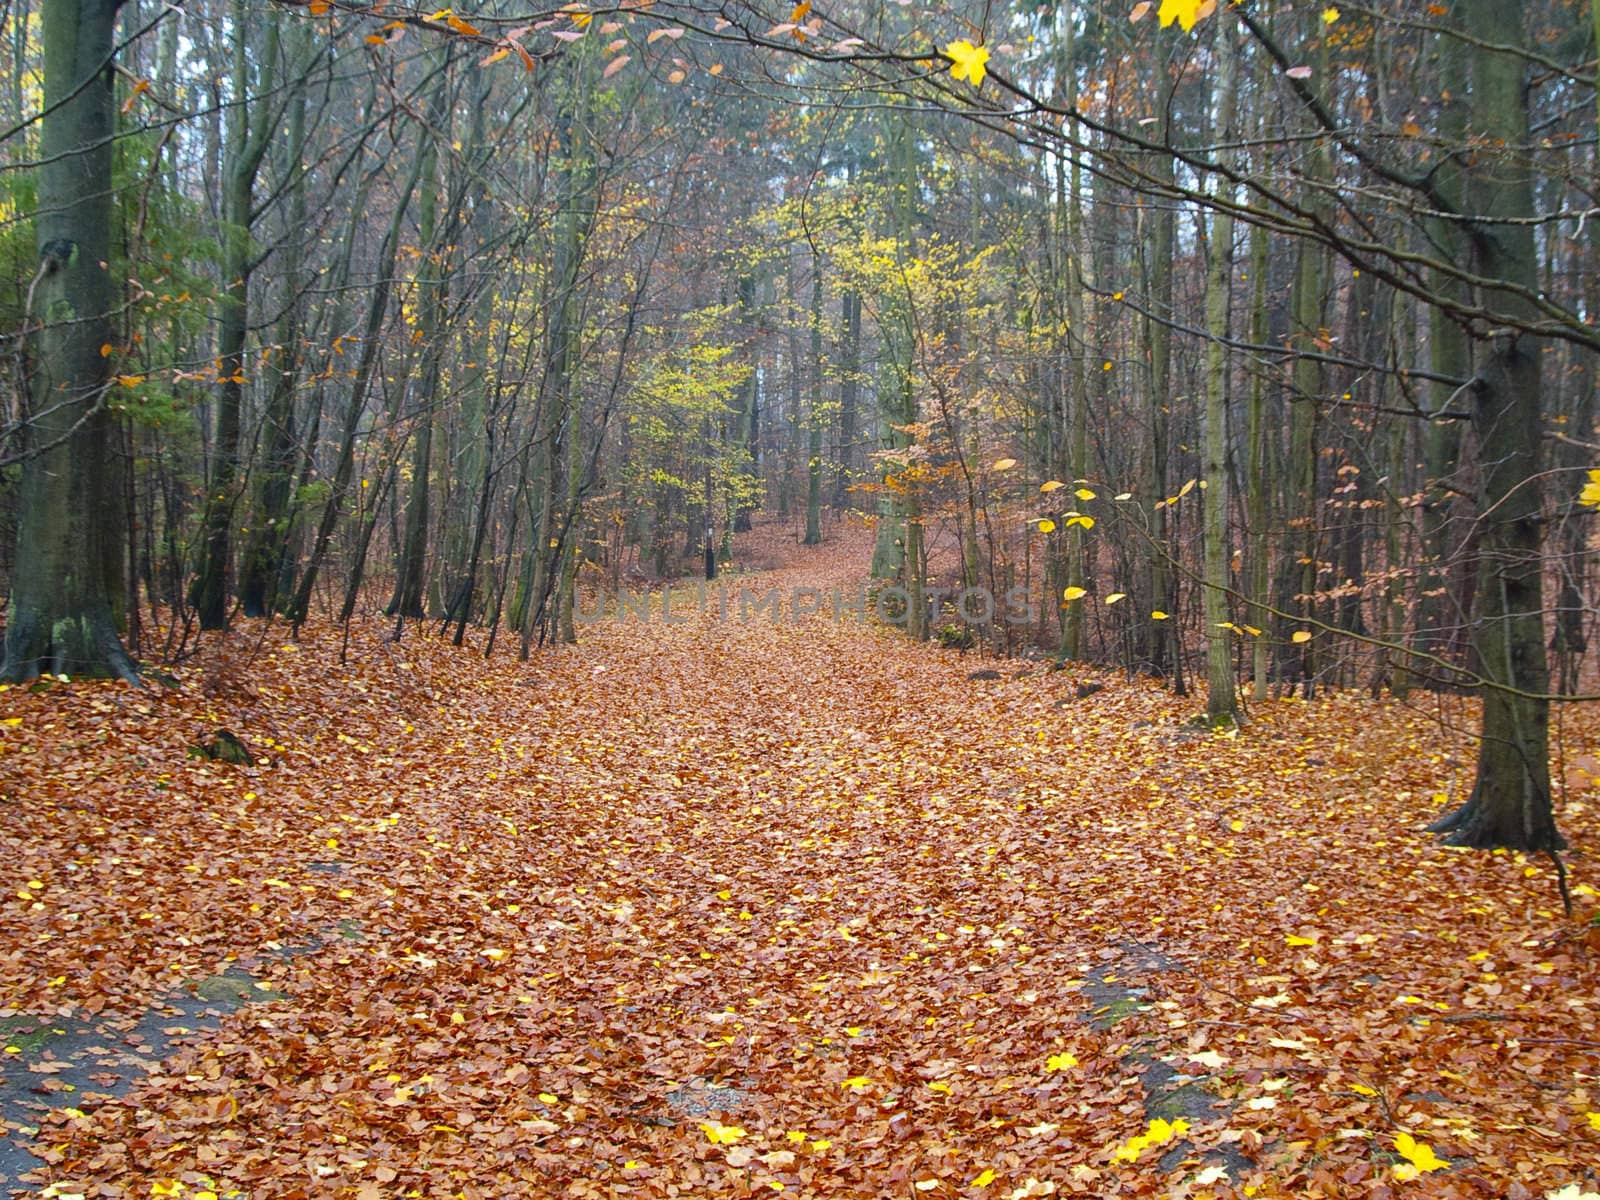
(778,908)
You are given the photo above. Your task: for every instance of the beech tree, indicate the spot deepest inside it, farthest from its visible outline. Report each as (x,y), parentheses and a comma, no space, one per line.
(67,595)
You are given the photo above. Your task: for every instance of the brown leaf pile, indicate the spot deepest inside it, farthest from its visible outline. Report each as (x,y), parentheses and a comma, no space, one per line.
(756,908)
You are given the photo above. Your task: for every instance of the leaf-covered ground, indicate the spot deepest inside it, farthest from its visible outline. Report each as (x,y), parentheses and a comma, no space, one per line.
(778,908)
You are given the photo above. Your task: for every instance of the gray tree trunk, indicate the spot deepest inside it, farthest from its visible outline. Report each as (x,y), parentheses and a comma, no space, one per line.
(1510,800)
(68,586)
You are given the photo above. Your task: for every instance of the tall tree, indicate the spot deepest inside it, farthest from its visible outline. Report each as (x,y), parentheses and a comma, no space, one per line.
(1510,800)
(67,593)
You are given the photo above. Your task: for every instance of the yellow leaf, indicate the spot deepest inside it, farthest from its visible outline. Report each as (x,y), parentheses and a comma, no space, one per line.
(1005,464)
(985,1179)
(130,380)
(1330,15)
(1236,825)
(820,1145)
(494,954)
(1047,526)
(549,1098)
(856,1082)
(1184,12)
(968,62)
(1051,485)
(107,350)
(1060,1062)
(721,1135)
(1591,491)
(166,1187)
(1158,615)
(1292,940)
(1159,1133)
(1300,635)
(1362,1089)
(800,11)
(1419,1155)
(1074,593)
(1084,494)
(462,27)
(1115,596)
(944,1088)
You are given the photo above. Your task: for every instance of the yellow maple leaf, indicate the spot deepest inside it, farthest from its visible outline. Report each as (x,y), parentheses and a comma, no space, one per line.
(968,62)
(1060,1062)
(1330,15)
(985,1179)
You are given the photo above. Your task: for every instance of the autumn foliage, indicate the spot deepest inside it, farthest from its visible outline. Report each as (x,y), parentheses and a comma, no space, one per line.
(761,908)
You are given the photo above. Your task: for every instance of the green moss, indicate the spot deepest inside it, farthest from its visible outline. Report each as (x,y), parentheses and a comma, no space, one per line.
(28,1034)
(232,990)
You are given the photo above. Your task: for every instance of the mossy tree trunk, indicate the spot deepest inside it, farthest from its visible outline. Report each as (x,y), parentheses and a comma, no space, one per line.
(68,586)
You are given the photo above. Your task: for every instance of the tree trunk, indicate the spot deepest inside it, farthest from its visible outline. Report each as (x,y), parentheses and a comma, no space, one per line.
(68,589)
(1510,800)
(247,146)
(1222,701)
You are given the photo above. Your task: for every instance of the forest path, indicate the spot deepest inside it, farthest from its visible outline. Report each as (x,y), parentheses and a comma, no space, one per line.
(775,906)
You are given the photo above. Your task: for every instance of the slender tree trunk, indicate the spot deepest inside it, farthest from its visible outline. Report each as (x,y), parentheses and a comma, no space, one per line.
(249,128)
(266,547)
(1222,701)
(814,418)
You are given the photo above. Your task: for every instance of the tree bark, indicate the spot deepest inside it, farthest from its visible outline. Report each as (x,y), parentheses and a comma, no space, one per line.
(1510,800)
(68,586)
